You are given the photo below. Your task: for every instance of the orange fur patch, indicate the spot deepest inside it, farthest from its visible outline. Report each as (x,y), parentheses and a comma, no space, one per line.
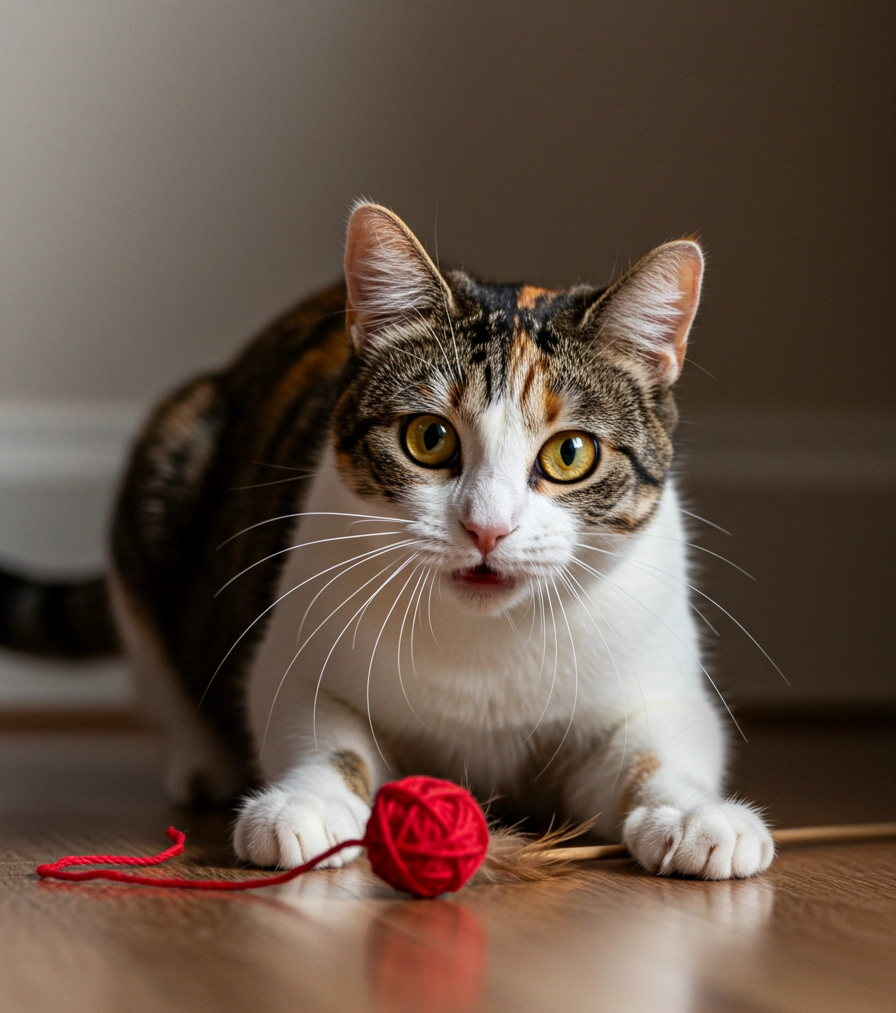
(315,364)
(552,407)
(529,295)
(645,765)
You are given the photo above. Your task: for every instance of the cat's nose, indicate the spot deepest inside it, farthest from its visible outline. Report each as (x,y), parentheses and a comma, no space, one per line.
(486,538)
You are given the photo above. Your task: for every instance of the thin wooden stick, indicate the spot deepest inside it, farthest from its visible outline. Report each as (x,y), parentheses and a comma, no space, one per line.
(792,835)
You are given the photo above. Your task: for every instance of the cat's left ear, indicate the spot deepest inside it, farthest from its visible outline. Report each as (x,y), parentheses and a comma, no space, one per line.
(389,276)
(648,312)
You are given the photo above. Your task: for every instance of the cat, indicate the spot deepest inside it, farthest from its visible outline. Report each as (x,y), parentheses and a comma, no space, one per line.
(424,524)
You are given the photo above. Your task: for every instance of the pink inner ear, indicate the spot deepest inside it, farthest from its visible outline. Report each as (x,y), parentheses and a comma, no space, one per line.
(653,306)
(388,275)
(690,274)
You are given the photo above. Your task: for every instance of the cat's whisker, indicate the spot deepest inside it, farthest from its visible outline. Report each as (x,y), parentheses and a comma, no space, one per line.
(703,617)
(282,467)
(376,644)
(312,513)
(302,648)
(460,372)
(260,616)
(640,564)
(575,697)
(605,578)
(712,524)
(364,557)
(426,576)
(619,640)
(693,362)
(336,641)
(404,620)
(305,545)
(556,665)
(276,481)
(432,584)
(438,340)
(534,617)
(509,619)
(544,632)
(569,578)
(699,548)
(665,573)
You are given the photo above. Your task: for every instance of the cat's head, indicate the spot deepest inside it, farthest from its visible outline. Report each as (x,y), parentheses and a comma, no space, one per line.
(507,421)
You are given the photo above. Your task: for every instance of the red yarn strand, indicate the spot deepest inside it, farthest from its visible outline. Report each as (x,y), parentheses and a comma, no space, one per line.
(424,836)
(57,870)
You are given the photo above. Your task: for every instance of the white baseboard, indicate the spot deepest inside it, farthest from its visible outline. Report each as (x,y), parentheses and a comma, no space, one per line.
(60,464)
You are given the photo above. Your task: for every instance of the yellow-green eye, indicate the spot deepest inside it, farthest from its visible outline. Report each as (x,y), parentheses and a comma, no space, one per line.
(431,441)
(568,457)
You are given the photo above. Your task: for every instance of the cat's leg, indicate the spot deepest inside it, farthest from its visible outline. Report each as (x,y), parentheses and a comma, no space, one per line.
(321,798)
(657,780)
(198,766)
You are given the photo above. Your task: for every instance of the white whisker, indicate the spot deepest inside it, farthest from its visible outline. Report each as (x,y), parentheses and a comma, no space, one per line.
(311,513)
(276,481)
(428,576)
(432,584)
(604,577)
(569,578)
(364,557)
(556,664)
(304,545)
(575,698)
(376,644)
(640,564)
(699,548)
(712,524)
(336,641)
(404,619)
(259,617)
(665,573)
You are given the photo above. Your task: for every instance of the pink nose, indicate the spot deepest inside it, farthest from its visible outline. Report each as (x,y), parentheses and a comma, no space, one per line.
(485,538)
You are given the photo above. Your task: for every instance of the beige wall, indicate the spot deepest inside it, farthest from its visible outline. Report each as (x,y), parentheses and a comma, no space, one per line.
(172,174)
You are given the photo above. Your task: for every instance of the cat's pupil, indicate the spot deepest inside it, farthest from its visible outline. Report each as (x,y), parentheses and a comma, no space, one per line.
(433,435)
(568,450)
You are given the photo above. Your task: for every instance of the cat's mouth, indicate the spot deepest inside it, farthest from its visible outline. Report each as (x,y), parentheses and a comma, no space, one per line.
(483,578)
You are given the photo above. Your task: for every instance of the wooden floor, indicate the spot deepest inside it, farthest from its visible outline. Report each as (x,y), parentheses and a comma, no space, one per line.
(817,932)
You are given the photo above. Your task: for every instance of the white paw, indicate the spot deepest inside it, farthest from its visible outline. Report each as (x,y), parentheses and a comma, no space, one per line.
(284,828)
(719,840)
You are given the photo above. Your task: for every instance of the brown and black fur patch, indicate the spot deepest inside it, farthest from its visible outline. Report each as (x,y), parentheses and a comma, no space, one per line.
(227,451)
(236,447)
(354,771)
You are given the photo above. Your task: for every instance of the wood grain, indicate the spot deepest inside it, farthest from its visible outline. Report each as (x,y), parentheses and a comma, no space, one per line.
(817,932)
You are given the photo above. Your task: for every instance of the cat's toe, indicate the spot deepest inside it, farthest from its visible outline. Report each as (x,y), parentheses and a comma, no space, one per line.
(724,840)
(282,829)
(652,834)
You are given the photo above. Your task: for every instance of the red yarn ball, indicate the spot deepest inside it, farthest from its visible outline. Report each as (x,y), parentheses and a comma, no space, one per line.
(425,836)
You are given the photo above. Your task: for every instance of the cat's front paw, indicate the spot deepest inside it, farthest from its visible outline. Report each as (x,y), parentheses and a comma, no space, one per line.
(719,840)
(284,828)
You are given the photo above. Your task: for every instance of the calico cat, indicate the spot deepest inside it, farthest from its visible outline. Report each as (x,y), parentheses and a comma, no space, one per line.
(425,525)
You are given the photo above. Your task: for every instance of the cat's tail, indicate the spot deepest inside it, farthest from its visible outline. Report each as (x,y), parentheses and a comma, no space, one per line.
(61,619)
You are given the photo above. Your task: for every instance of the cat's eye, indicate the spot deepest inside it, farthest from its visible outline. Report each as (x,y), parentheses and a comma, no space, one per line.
(569,456)
(431,441)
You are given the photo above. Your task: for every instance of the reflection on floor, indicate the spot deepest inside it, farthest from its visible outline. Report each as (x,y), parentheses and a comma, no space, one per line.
(818,932)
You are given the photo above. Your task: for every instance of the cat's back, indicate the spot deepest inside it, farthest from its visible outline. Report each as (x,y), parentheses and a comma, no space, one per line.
(228,451)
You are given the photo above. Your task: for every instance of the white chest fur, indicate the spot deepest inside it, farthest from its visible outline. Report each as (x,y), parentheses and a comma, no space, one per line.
(458,689)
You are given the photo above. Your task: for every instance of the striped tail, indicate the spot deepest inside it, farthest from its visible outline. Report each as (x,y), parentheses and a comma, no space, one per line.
(61,619)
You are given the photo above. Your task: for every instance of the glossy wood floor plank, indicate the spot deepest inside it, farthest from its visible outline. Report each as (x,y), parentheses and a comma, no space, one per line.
(818,932)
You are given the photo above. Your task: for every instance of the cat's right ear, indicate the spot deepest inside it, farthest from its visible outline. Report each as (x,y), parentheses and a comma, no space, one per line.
(389,276)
